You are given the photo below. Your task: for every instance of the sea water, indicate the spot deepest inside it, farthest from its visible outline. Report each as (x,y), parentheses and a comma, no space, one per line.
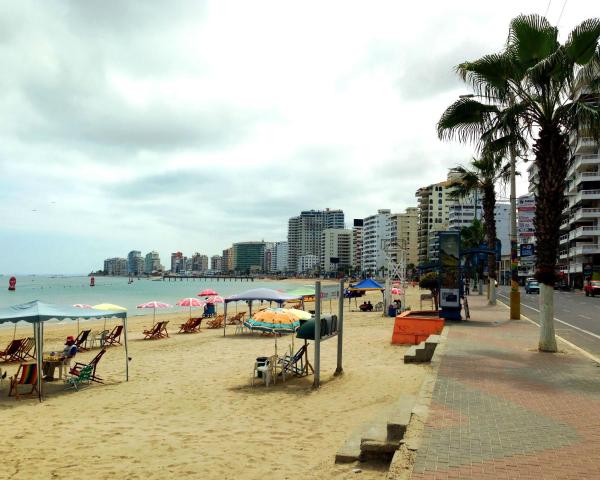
(70,290)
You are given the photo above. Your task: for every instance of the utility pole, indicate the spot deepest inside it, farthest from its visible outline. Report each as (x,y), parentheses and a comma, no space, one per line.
(515,294)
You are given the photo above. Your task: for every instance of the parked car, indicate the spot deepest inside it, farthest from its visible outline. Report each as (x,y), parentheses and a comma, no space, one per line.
(592,288)
(562,286)
(532,286)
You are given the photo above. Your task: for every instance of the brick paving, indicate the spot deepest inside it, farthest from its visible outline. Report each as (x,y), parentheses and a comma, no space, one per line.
(502,410)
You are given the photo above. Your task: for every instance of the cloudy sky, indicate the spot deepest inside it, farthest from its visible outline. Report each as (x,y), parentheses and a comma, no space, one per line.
(189,125)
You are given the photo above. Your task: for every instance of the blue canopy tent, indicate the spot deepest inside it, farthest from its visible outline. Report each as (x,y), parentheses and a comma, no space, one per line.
(262,294)
(367,285)
(37,313)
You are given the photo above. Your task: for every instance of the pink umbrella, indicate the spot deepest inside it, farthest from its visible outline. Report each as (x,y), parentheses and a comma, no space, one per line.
(207,293)
(396,291)
(154,305)
(215,299)
(191,302)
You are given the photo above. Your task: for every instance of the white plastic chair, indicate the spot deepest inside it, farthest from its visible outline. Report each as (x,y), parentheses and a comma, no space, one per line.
(266,369)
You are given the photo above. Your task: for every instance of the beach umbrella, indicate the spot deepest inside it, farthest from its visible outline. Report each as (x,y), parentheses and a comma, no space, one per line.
(109,306)
(154,304)
(215,299)
(191,302)
(299,314)
(208,292)
(273,320)
(396,291)
(81,305)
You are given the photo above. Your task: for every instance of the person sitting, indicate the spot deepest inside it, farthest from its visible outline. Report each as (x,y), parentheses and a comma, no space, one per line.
(369,306)
(68,353)
(364,307)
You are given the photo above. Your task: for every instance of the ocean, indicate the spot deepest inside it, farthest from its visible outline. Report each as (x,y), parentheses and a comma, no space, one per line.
(76,289)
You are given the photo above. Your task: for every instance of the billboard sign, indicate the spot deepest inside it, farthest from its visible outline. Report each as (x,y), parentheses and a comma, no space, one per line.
(449,255)
(527,250)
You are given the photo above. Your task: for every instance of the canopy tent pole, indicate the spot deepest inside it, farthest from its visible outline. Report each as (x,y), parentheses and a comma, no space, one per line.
(38,333)
(15,331)
(224,317)
(126,348)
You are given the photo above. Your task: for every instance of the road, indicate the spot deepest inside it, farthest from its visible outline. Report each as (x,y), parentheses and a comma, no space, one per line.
(577,316)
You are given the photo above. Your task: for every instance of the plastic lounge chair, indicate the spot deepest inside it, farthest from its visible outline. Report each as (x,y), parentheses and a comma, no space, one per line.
(298,364)
(216,322)
(85,375)
(9,354)
(81,340)
(27,350)
(114,337)
(378,307)
(97,337)
(266,368)
(76,369)
(26,375)
(191,326)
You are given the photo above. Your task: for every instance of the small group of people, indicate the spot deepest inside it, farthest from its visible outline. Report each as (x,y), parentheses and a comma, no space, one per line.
(68,353)
(366,306)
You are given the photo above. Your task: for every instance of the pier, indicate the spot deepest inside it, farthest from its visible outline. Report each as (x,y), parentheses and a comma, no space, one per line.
(241,278)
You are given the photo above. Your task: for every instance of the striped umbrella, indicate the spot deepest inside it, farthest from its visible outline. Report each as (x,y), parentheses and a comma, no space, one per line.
(154,304)
(207,292)
(215,299)
(191,302)
(274,320)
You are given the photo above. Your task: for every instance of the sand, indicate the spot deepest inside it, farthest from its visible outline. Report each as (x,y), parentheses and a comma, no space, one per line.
(189,411)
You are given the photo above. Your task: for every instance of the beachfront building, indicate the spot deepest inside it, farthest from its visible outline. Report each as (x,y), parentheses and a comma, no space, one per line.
(199,263)
(248,257)
(216,263)
(357,229)
(227,262)
(404,233)
(336,250)
(133,262)
(279,257)
(307,264)
(268,257)
(177,262)
(152,263)
(305,230)
(116,266)
(579,256)
(375,232)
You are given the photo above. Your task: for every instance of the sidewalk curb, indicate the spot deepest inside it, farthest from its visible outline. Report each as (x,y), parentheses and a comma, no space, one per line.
(583,352)
(402,463)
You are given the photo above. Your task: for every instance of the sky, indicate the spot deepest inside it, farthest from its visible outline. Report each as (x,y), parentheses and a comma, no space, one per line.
(190,125)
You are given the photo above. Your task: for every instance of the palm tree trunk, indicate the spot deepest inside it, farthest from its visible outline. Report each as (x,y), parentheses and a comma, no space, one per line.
(551,160)
(489,204)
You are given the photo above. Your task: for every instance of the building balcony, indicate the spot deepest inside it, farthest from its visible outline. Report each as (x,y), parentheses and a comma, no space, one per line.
(563,239)
(589,249)
(563,254)
(575,267)
(583,214)
(581,161)
(583,232)
(586,145)
(565,224)
(584,195)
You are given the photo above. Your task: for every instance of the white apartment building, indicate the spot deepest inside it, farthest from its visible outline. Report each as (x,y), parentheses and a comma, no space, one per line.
(357,231)
(579,250)
(336,249)
(375,230)
(307,263)
(216,263)
(279,257)
(304,233)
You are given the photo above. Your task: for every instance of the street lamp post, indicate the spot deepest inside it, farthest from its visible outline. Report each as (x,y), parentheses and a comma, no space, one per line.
(515,294)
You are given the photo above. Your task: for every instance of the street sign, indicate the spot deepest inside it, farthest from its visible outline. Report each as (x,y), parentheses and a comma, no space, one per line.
(527,250)
(588,269)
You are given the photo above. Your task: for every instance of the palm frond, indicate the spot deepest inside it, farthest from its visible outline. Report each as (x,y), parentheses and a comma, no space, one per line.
(489,75)
(465,120)
(583,41)
(531,38)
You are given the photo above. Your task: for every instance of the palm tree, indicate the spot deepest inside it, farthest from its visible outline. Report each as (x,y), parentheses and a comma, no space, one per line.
(472,237)
(541,90)
(482,176)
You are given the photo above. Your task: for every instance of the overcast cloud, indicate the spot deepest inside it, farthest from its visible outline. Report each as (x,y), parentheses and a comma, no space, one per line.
(189,125)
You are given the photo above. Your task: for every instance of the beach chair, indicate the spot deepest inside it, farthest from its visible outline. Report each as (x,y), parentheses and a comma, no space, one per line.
(114,337)
(98,337)
(378,307)
(158,331)
(78,367)
(265,368)
(27,350)
(191,326)
(9,354)
(27,374)
(85,375)
(216,322)
(297,364)
(236,319)
(81,340)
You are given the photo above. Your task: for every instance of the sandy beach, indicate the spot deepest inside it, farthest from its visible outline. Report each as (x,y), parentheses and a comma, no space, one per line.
(189,411)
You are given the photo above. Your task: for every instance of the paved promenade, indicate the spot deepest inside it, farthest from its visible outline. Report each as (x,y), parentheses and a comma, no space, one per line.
(502,410)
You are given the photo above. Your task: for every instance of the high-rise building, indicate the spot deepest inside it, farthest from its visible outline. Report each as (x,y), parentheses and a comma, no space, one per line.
(152,263)
(268,257)
(115,266)
(357,229)
(580,228)
(404,233)
(307,264)
(375,232)
(216,263)
(336,250)
(304,233)
(279,259)
(132,262)
(227,262)
(177,262)
(248,257)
